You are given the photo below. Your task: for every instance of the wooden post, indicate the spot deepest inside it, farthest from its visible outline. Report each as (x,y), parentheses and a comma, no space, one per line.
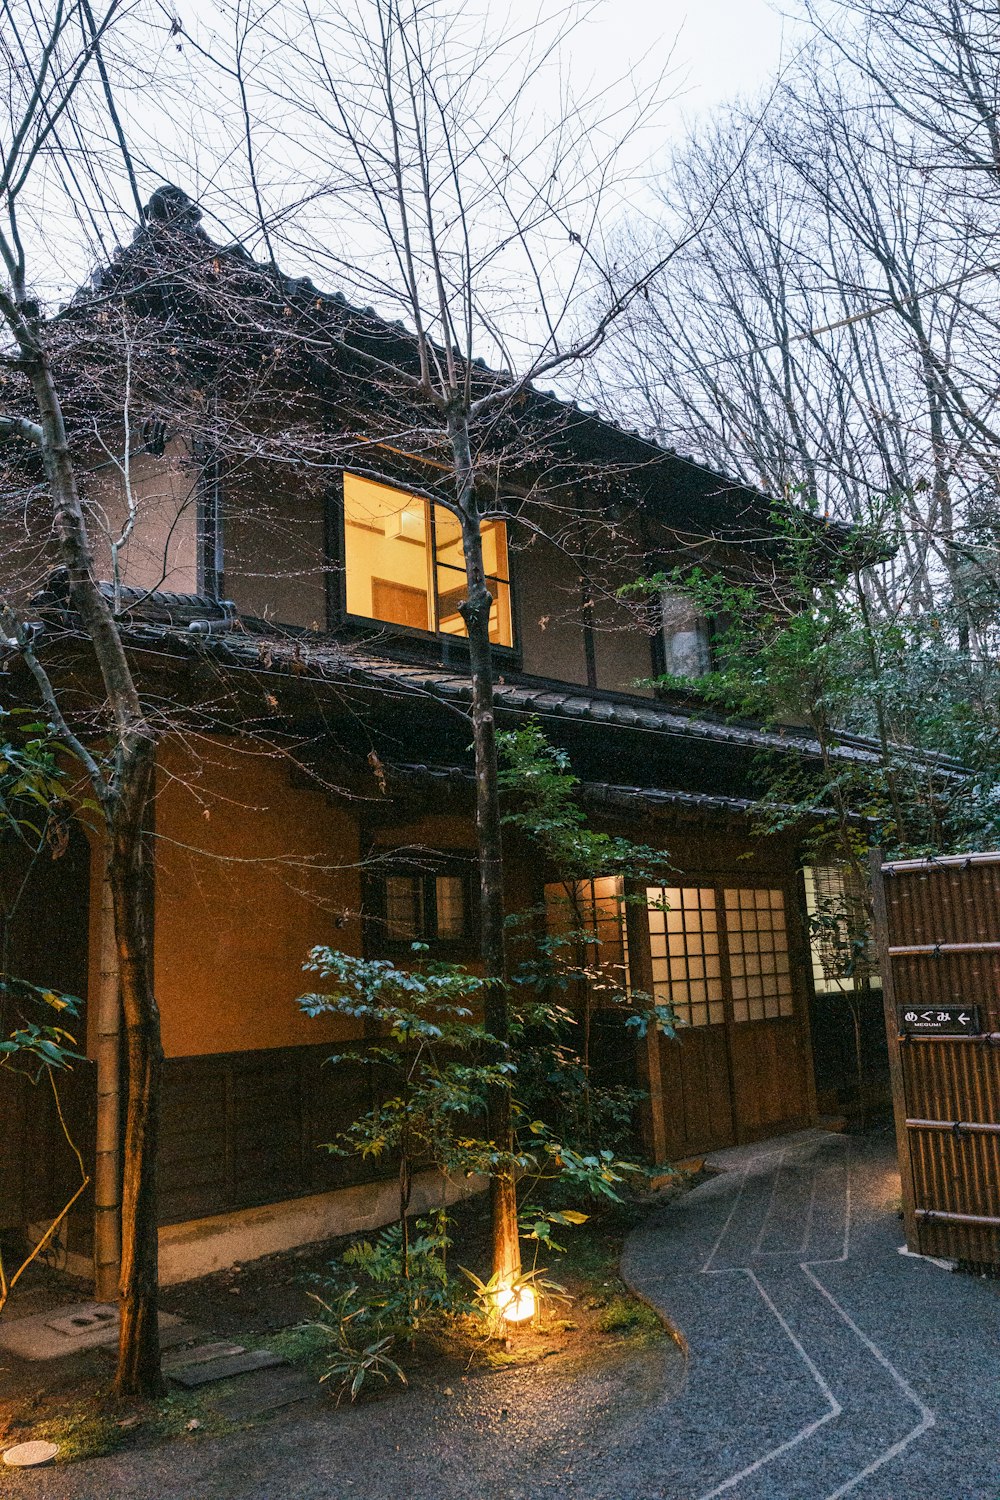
(881,919)
(107,1170)
(649,1059)
(798,928)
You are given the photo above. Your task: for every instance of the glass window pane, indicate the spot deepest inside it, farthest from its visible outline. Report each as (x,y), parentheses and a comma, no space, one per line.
(386,560)
(501,626)
(404,907)
(494,534)
(451,578)
(449,892)
(448,535)
(452,593)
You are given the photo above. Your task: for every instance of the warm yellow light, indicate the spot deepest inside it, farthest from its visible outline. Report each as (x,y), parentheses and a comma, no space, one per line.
(405,524)
(516,1306)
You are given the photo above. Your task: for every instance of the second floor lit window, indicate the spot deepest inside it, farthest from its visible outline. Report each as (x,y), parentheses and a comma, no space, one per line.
(404,563)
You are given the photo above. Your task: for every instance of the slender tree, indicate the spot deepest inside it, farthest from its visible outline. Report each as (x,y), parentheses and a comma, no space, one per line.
(449,178)
(59,90)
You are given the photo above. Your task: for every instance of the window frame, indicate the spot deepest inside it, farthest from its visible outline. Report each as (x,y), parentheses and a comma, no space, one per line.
(427,868)
(337,593)
(597,997)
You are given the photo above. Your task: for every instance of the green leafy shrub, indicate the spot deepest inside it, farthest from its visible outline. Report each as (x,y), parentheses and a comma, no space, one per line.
(352,1362)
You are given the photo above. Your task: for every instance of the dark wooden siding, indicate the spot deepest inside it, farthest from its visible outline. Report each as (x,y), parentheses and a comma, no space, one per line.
(241,1129)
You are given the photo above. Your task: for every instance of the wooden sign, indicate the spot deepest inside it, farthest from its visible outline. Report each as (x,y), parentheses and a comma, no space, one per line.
(938,1020)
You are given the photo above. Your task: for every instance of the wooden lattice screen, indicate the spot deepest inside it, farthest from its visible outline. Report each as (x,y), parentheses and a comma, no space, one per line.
(938,929)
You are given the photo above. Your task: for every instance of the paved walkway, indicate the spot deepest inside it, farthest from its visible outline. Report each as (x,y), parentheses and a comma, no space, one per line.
(822,1364)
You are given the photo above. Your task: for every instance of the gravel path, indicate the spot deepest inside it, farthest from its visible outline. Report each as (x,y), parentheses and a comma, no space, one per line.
(823,1364)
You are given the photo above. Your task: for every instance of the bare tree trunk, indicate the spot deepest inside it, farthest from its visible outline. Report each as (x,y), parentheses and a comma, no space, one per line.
(138,1372)
(476,613)
(124,797)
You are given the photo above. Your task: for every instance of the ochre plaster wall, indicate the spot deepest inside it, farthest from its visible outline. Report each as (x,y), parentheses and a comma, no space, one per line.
(431,831)
(162,550)
(239,902)
(549,599)
(274,540)
(622,649)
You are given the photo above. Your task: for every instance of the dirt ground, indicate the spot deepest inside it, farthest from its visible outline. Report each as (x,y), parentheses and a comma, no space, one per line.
(267,1302)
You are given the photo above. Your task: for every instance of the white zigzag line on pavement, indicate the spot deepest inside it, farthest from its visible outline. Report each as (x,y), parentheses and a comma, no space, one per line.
(798,1437)
(927,1418)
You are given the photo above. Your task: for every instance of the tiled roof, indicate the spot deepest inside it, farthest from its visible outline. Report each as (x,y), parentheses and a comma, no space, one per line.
(337,662)
(191,626)
(597,793)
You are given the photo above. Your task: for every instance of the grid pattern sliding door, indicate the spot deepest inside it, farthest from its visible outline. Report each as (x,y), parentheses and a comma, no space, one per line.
(759,962)
(720,956)
(686,968)
(684,949)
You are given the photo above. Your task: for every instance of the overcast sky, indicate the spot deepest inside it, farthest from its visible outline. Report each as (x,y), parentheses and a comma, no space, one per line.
(721,48)
(715,50)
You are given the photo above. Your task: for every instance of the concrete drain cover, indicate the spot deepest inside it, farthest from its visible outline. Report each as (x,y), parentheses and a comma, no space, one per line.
(82,1321)
(30,1455)
(65,1330)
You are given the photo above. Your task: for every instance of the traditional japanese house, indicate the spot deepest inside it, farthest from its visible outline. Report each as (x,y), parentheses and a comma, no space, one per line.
(290,605)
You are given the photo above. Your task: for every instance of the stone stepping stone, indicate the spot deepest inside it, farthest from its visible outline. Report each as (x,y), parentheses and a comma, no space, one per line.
(195,1372)
(200,1355)
(267,1391)
(30,1455)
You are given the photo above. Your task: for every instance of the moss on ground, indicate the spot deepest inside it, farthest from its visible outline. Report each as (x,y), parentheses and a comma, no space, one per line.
(83,1433)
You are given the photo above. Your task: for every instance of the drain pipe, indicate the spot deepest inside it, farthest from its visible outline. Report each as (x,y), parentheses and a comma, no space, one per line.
(107,1167)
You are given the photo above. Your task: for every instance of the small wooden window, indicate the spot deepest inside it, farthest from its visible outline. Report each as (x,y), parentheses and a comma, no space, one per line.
(684,949)
(835,905)
(408,906)
(593,913)
(686,636)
